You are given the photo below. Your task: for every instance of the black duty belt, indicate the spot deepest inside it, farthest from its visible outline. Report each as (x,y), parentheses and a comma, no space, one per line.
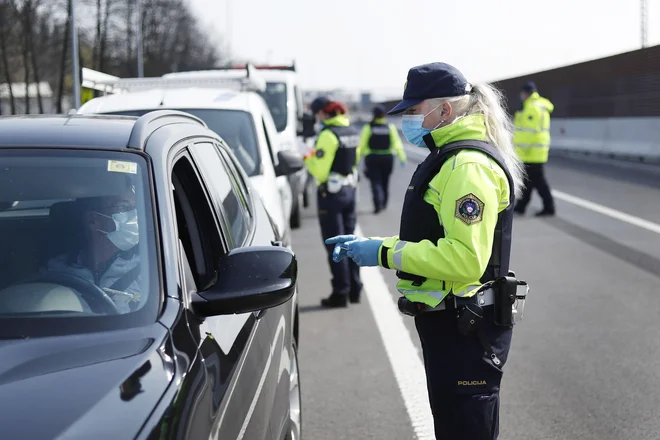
(483,298)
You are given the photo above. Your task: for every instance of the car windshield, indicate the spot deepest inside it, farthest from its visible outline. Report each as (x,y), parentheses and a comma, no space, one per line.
(275,97)
(78,244)
(236,127)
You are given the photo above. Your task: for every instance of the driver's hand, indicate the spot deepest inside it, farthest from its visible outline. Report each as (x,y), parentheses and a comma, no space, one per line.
(121,299)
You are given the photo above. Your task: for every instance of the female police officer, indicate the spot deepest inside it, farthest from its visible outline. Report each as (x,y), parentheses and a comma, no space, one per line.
(333,163)
(455,236)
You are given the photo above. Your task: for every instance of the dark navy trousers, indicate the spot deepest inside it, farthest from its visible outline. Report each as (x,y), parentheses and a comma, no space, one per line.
(378,169)
(462,382)
(337,216)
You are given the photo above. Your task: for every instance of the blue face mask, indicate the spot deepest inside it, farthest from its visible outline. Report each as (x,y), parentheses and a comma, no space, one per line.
(411,125)
(126,233)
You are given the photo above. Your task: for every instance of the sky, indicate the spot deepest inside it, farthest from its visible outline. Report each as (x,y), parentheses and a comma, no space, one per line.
(370,45)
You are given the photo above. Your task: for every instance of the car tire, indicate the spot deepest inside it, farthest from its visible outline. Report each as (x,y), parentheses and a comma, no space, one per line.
(295,398)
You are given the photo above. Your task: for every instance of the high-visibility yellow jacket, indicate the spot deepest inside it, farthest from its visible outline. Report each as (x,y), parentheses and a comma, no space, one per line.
(319,162)
(396,146)
(456,262)
(531,138)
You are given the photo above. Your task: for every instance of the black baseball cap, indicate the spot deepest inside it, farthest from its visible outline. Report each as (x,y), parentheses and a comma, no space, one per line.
(319,104)
(529,87)
(433,80)
(379,110)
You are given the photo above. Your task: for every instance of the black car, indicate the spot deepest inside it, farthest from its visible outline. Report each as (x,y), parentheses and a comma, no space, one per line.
(144,292)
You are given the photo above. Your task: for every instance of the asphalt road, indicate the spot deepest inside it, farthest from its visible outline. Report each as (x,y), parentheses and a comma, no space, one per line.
(585,361)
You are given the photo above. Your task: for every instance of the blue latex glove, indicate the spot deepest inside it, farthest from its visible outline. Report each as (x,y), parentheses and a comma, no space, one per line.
(340,250)
(403,164)
(363,251)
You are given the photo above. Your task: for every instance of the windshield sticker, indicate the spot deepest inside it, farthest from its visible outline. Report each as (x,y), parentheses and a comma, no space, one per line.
(118,166)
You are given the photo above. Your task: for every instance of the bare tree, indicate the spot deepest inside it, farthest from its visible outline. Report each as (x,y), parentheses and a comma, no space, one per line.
(5,31)
(130,20)
(97,40)
(30,23)
(25,13)
(63,58)
(35,39)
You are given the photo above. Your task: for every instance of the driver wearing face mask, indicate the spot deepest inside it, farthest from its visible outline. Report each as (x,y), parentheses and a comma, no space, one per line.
(109,257)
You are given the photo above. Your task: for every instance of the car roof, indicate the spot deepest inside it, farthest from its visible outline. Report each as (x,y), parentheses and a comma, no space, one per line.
(73,131)
(89,131)
(178,98)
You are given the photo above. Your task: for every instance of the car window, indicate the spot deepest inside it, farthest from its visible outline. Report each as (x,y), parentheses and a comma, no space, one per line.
(78,243)
(238,178)
(236,127)
(224,192)
(196,227)
(276,98)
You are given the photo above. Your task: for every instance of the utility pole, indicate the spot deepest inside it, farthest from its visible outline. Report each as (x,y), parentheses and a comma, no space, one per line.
(140,61)
(74,55)
(644,17)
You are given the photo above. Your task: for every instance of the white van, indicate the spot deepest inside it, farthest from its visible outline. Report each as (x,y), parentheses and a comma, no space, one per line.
(241,118)
(284,99)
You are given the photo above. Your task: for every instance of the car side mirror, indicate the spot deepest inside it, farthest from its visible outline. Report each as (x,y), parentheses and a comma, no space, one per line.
(250,279)
(289,162)
(307,122)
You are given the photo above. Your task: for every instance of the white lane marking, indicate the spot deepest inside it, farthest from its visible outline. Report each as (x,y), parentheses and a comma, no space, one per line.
(404,358)
(613,213)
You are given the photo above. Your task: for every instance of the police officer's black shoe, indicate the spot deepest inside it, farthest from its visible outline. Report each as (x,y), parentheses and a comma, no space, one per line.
(354,299)
(335,301)
(545,213)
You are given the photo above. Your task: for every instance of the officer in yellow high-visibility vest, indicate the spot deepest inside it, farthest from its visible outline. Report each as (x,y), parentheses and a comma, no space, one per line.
(379,142)
(454,240)
(531,140)
(333,164)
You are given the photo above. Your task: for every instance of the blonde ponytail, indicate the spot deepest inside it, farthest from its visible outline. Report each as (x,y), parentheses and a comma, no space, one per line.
(487,100)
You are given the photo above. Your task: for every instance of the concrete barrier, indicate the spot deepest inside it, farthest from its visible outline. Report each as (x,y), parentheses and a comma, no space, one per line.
(621,138)
(624,138)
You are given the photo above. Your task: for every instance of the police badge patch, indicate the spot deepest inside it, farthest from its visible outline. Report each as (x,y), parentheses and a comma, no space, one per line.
(469,209)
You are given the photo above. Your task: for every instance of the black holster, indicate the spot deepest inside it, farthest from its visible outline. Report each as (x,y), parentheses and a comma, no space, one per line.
(469,316)
(470,320)
(504,290)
